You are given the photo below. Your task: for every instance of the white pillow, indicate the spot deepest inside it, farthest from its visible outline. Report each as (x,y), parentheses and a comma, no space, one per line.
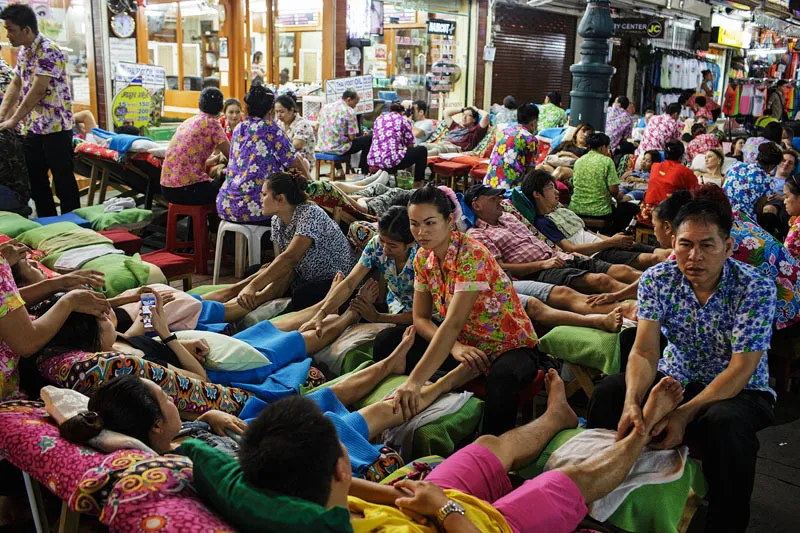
(227,353)
(699,163)
(142,145)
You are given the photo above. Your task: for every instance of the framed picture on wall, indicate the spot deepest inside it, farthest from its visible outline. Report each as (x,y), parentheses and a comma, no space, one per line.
(223,47)
(286,45)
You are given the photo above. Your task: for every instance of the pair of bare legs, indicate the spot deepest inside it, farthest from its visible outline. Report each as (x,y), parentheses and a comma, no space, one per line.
(541,313)
(591,283)
(598,475)
(646,260)
(227,295)
(567,299)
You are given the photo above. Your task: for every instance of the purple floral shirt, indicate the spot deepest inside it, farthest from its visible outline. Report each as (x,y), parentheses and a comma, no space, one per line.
(259,148)
(619,125)
(337,121)
(391,136)
(54,113)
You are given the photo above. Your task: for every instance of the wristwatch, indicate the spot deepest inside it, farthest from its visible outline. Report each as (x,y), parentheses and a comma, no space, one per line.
(447,509)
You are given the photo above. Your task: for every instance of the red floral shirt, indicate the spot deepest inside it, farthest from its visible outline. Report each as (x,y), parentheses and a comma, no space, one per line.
(498,322)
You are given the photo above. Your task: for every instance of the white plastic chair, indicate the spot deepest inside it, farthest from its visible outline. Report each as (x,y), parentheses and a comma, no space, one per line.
(252,233)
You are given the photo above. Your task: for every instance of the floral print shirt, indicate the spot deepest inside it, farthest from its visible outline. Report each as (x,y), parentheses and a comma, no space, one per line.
(701,338)
(619,125)
(399,285)
(514,151)
(303,130)
(792,242)
(750,149)
(10,300)
(391,135)
(54,112)
(592,175)
(6,77)
(659,131)
(337,121)
(194,141)
(745,184)
(498,322)
(702,144)
(329,253)
(754,246)
(551,116)
(259,148)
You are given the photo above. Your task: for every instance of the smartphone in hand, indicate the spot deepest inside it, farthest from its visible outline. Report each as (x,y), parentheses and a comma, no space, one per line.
(148,308)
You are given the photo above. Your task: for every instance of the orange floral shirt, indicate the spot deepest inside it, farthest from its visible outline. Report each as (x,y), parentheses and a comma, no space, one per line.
(194,141)
(498,322)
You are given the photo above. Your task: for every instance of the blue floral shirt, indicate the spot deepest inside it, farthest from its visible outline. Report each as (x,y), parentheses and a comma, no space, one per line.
(701,338)
(400,285)
(745,184)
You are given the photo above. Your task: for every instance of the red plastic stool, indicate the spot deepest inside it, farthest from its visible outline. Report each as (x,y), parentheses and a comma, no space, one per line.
(124,240)
(202,249)
(174,267)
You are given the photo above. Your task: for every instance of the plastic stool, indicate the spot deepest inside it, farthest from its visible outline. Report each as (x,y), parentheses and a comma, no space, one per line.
(251,232)
(199,214)
(335,160)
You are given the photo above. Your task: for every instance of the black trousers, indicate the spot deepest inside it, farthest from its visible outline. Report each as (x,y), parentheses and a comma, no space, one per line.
(417,156)
(725,436)
(620,217)
(53,153)
(509,375)
(361,144)
(306,294)
(201,193)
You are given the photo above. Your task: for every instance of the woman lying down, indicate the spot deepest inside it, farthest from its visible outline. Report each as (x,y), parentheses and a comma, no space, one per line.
(186,352)
(140,409)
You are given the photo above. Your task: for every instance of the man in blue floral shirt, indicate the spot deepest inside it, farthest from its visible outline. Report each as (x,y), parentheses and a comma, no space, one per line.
(716,314)
(746,183)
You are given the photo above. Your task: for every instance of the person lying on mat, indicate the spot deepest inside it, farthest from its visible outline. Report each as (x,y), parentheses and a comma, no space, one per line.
(22,337)
(470,492)
(216,307)
(141,409)
(312,247)
(569,232)
(278,341)
(520,253)
(717,346)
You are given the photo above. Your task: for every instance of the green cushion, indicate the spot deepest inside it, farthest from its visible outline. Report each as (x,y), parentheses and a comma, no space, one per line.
(205,289)
(219,480)
(12,224)
(648,508)
(356,357)
(584,346)
(122,272)
(523,205)
(101,220)
(440,437)
(34,236)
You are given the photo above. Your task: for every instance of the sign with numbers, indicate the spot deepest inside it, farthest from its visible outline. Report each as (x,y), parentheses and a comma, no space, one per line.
(361,84)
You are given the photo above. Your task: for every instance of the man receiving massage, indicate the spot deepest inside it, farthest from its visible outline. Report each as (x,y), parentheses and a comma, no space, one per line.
(717,316)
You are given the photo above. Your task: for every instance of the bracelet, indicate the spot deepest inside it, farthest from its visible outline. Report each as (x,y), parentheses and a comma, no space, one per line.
(169,339)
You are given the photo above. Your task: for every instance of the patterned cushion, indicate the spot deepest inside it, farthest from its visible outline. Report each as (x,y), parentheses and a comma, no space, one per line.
(438,132)
(30,441)
(84,372)
(361,232)
(157,495)
(327,196)
(93,151)
(485,147)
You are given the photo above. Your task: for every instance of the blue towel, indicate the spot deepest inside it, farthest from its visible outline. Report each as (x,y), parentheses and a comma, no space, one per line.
(265,383)
(468,214)
(121,142)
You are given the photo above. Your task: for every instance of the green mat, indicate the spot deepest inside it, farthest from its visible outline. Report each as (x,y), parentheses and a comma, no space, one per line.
(584,346)
(650,508)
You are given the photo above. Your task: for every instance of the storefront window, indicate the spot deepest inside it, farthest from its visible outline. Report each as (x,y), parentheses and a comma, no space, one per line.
(198,56)
(299,26)
(67,23)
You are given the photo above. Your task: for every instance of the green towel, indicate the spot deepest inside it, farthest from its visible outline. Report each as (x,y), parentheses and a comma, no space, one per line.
(35,236)
(584,346)
(205,289)
(12,224)
(101,220)
(648,508)
(523,205)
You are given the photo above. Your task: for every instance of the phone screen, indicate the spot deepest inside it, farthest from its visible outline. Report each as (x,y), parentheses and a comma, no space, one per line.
(148,306)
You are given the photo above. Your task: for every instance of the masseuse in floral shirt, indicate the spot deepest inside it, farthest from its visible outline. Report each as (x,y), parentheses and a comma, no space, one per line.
(41,96)
(393,144)
(515,150)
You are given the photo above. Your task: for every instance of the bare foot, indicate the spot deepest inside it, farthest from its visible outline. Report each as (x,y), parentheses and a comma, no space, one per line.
(612,322)
(369,291)
(663,399)
(337,279)
(630,310)
(557,400)
(397,360)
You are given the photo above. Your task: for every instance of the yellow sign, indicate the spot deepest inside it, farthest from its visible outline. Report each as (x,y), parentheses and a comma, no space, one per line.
(132,106)
(729,37)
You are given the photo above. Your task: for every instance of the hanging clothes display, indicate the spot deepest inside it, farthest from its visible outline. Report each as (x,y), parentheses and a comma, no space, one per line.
(672,73)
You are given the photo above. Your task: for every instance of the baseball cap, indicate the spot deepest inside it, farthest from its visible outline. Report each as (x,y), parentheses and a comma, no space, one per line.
(476,191)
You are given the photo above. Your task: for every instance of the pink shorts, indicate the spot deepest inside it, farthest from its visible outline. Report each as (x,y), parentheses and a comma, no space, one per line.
(549,503)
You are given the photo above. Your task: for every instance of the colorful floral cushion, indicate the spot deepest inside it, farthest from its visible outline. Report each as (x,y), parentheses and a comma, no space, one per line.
(485,147)
(439,132)
(84,372)
(93,151)
(329,197)
(361,232)
(157,495)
